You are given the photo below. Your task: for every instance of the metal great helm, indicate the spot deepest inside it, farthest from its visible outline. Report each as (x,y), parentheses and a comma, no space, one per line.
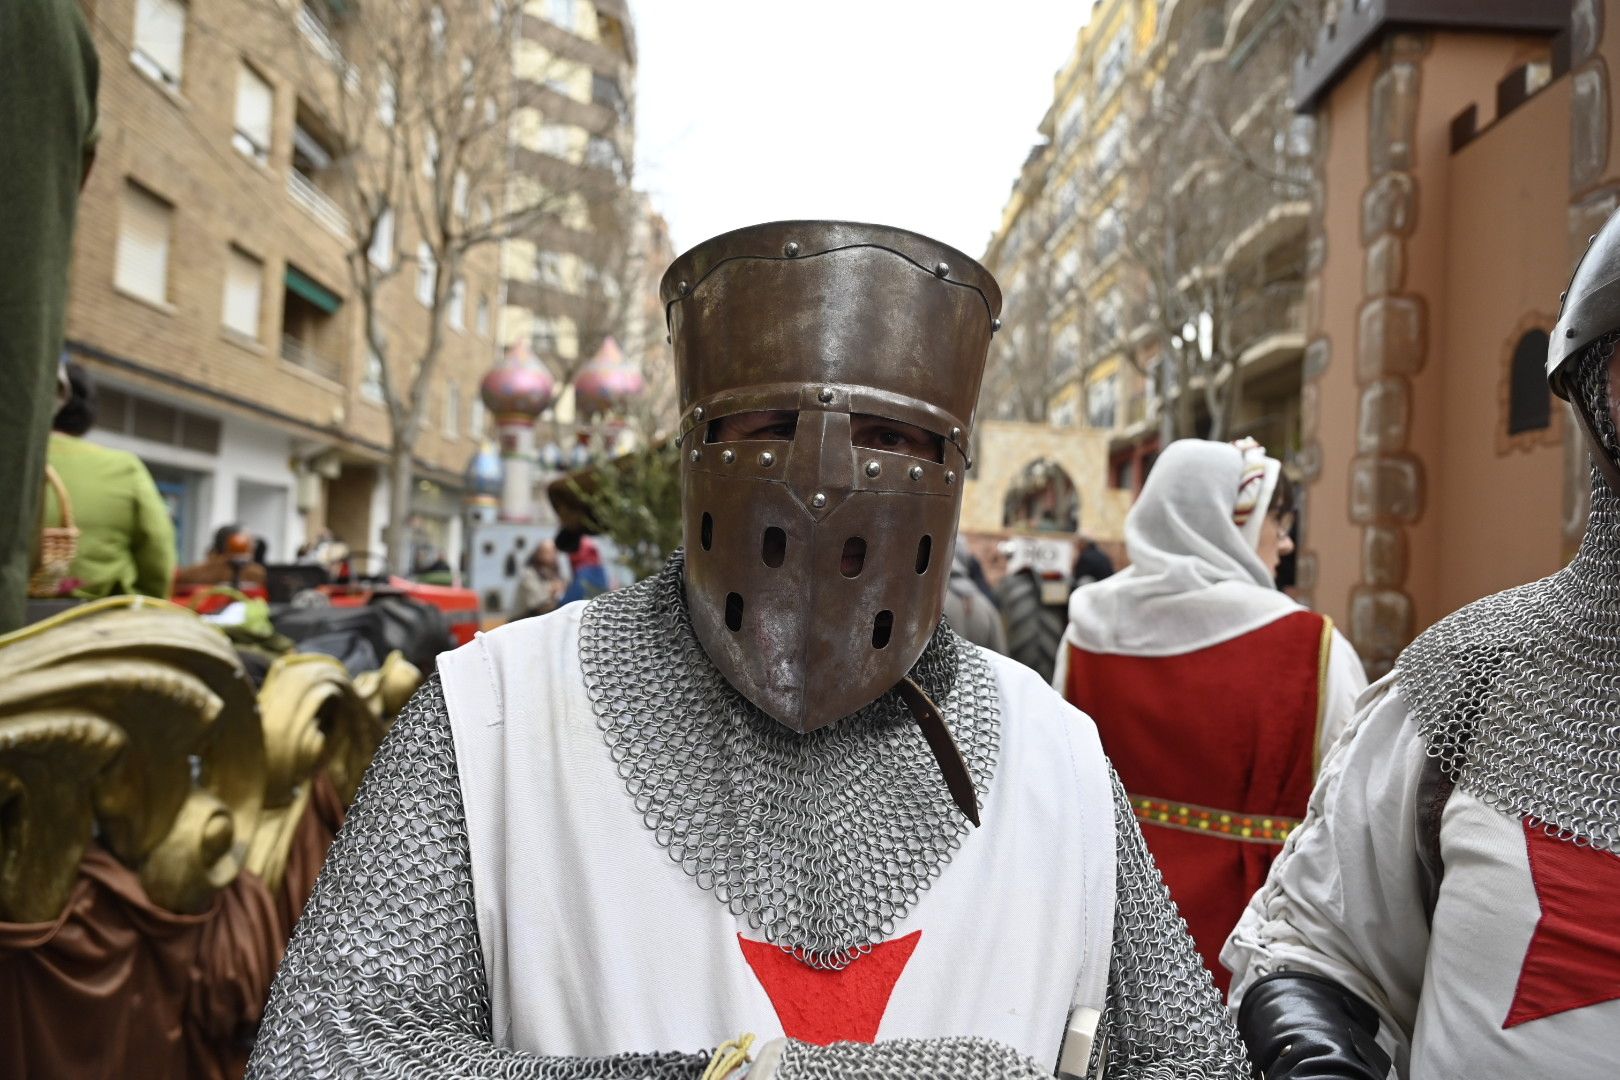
(833,321)
(1591,310)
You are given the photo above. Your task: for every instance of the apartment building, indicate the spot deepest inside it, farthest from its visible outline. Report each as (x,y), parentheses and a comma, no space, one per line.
(1156,238)
(211,293)
(568,280)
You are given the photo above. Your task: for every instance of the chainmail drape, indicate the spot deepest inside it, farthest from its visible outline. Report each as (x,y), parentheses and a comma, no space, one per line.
(1518,695)
(822,841)
(384,976)
(1165,1019)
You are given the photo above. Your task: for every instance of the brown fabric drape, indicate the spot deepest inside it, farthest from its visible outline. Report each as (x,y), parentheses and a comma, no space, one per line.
(316,831)
(119,987)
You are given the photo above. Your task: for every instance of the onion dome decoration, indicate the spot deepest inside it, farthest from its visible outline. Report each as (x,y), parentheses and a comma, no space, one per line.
(485,471)
(607,383)
(521,386)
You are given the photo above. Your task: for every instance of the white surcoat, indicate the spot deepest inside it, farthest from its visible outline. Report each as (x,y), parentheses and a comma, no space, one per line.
(595,941)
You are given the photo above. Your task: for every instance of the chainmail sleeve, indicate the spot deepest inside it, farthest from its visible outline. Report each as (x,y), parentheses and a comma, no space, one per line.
(1164,1018)
(384,976)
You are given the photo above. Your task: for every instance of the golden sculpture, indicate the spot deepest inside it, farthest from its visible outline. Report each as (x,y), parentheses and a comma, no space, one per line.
(131,720)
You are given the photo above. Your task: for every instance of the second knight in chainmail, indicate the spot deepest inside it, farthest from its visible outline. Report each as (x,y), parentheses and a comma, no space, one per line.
(1448,908)
(765,791)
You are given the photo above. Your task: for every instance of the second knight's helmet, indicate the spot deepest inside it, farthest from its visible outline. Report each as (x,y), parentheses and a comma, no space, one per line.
(1590,314)
(831,321)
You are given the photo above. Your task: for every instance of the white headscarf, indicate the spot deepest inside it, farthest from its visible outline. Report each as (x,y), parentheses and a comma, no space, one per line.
(1195,578)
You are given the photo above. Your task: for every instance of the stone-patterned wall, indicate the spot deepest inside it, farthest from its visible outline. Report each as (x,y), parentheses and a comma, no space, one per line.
(1594,195)
(1387,479)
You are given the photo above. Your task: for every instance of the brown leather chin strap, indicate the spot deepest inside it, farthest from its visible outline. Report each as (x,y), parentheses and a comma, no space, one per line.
(958,781)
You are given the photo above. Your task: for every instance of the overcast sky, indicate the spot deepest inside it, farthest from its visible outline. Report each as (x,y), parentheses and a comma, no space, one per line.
(915,113)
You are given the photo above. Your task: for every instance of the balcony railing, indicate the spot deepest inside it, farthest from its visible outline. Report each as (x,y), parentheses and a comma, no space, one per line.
(318,204)
(1275,309)
(298,353)
(319,36)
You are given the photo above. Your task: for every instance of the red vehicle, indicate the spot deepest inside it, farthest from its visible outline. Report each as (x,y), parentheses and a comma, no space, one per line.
(460,606)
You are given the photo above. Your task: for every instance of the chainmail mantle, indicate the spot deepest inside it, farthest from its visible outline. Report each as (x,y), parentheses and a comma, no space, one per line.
(823,841)
(1518,694)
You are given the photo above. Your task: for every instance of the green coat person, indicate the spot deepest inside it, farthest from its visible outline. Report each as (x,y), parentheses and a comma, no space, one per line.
(126,538)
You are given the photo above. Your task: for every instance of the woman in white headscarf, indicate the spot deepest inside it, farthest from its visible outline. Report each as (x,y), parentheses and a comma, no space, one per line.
(1215,694)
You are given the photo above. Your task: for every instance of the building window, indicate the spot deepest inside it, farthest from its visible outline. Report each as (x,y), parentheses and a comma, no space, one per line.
(556,140)
(476,418)
(545,337)
(1101,398)
(427,268)
(311,332)
(255,112)
(387,98)
(436,27)
(458,304)
(548,268)
(381,251)
(452,412)
(142,267)
(1529,399)
(563,13)
(371,384)
(486,211)
(459,194)
(483,316)
(160,39)
(244,289)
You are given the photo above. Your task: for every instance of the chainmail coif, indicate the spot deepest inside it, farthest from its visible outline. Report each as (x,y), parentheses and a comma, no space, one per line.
(823,840)
(1518,694)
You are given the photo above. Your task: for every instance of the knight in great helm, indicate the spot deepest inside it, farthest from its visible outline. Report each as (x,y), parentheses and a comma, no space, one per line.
(767,792)
(1449,907)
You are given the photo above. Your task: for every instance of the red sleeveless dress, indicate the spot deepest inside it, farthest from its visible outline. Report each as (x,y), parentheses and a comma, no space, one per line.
(1217,750)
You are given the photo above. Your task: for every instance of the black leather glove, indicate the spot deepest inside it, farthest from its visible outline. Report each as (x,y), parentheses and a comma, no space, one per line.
(1305,1027)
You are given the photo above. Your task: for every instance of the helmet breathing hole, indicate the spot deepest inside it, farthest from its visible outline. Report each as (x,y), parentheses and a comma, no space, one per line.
(882,629)
(854,557)
(773,549)
(706,531)
(734,610)
(925,552)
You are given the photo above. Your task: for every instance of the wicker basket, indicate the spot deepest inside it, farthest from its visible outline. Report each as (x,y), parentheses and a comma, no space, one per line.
(58,545)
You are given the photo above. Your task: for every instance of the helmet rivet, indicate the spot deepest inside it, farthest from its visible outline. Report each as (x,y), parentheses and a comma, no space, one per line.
(825,395)
(1570,332)
(1563,296)
(728,456)
(669,339)
(818,500)
(941,269)
(916,472)
(950,477)
(956,433)
(791,249)
(995,324)
(681,287)
(767,459)
(697,413)
(967,466)
(873,468)
(695,456)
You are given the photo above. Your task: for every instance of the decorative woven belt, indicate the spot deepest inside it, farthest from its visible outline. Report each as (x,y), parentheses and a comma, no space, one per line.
(1230,824)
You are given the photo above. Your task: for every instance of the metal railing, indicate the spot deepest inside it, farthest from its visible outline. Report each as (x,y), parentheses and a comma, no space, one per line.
(1274,309)
(318,204)
(298,353)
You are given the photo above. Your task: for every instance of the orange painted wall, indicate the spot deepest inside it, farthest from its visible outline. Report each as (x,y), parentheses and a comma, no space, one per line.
(1334,541)
(1442,266)
(1507,258)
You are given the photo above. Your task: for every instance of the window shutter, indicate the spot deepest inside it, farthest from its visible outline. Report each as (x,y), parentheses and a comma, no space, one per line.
(142,266)
(160,35)
(255,107)
(244,286)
